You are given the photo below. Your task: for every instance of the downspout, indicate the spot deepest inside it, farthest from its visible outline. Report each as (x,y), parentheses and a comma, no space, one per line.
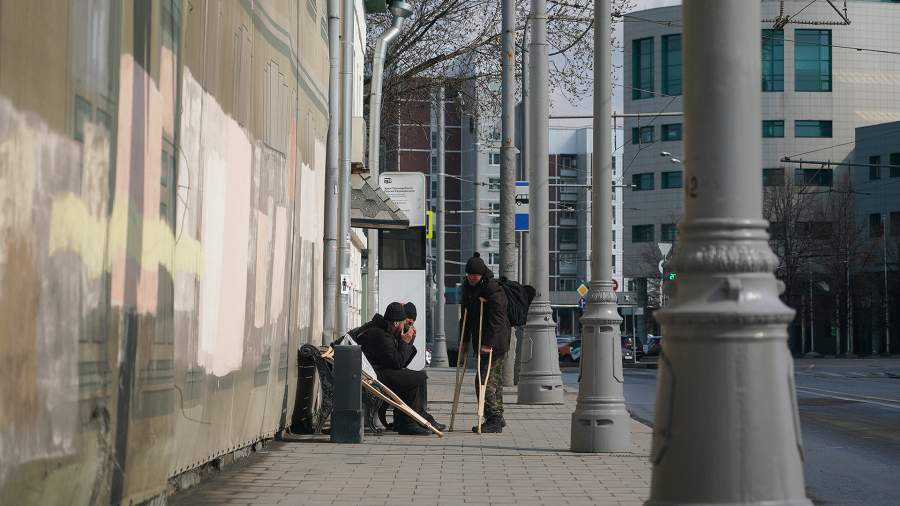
(332,159)
(348,36)
(400,10)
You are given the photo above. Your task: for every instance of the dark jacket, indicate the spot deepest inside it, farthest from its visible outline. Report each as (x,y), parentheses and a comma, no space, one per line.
(381,348)
(496,329)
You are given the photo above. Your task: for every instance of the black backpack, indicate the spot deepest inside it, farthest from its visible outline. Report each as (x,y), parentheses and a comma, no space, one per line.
(518,298)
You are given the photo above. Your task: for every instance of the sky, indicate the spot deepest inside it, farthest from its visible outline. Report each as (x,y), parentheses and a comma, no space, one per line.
(560,105)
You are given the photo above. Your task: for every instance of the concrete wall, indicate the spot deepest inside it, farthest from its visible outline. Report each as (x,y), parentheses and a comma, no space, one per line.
(161,184)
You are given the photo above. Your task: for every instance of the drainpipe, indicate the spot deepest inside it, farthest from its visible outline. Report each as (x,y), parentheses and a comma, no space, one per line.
(400,10)
(348,35)
(331,174)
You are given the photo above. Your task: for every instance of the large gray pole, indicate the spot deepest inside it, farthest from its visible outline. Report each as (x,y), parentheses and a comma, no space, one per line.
(540,381)
(727,430)
(332,160)
(343,300)
(887,312)
(508,251)
(600,422)
(439,353)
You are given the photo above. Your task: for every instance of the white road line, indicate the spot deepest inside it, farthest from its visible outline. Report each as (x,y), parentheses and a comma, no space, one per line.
(855,398)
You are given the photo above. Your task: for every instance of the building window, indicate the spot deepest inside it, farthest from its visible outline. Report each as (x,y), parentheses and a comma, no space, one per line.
(642,135)
(670,180)
(671,64)
(642,182)
(773,128)
(812,128)
(495,134)
(493,158)
(812,60)
(567,284)
(494,258)
(876,228)
(642,233)
(895,164)
(567,165)
(434,164)
(813,177)
(494,208)
(434,139)
(568,235)
(567,263)
(895,223)
(668,232)
(493,184)
(773,177)
(874,168)
(642,68)
(671,132)
(773,60)
(493,233)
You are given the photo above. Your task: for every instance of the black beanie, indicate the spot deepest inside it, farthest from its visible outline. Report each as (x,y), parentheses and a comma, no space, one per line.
(410,309)
(475,265)
(394,312)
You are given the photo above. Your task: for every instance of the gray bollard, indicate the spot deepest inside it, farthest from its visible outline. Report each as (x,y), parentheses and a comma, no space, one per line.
(347,414)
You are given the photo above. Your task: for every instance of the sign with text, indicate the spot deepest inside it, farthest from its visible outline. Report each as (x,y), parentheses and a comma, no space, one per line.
(407,190)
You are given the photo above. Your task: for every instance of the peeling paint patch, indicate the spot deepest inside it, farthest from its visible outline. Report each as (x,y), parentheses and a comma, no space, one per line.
(40,295)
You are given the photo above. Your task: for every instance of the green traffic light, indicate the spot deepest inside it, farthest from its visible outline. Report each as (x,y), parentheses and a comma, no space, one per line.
(671,276)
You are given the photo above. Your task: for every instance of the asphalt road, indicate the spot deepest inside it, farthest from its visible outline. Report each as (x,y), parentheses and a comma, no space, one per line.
(850,417)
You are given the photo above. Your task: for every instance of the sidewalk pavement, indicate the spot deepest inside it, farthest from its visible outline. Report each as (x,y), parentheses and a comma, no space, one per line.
(529,463)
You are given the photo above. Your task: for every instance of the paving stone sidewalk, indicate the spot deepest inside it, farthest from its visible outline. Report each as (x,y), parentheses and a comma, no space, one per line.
(529,463)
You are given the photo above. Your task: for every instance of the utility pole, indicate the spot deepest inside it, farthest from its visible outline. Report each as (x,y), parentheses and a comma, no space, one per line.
(600,422)
(332,161)
(540,381)
(508,251)
(343,300)
(887,313)
(724,434)
(439,353)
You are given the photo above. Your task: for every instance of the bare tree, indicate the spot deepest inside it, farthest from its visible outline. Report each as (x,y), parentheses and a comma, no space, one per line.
(790,207)
(449,42)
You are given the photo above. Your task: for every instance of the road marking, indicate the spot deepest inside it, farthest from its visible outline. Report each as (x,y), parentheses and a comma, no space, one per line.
(854,398)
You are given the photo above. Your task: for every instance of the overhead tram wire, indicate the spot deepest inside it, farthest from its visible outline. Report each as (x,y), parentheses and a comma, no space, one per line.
(675,24)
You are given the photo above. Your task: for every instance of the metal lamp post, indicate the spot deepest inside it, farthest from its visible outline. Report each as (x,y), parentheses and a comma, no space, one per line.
(600,421)
(727,430)
(439,354)
(540,381)
(508,250)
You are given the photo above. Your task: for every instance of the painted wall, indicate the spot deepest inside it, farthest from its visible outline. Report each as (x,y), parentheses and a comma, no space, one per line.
(161,187)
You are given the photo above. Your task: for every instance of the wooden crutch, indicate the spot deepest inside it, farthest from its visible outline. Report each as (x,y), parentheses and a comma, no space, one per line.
(482,386)
(461,364)
(386,394)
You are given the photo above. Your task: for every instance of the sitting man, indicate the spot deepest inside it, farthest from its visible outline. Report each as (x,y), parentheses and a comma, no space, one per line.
(389,349)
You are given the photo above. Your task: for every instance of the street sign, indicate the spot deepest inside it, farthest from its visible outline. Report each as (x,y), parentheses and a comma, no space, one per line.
(581,303)
(615,285)
(582,290)
(429,232)
(522,206)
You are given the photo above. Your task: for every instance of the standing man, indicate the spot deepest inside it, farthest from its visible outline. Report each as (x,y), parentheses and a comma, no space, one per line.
(481,290)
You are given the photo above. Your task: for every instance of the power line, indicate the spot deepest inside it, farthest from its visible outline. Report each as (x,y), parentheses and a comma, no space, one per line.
(675,24)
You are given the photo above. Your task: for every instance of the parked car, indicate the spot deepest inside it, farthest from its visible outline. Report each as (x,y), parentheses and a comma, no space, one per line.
(570,352)
(561,340)
(653,345)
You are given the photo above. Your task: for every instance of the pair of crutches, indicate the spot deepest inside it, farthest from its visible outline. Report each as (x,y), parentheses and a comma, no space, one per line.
(462,359)
(380,390)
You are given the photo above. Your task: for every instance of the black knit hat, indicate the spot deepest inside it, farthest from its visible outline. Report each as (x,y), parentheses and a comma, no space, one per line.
(395,312)
(475,265)
(410,309)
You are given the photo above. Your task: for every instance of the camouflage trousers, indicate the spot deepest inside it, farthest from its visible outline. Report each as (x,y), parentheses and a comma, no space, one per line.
(493,394)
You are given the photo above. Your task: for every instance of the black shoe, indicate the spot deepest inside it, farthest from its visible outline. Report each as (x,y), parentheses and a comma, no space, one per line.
(412,429)
(490,426)
(434,423)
